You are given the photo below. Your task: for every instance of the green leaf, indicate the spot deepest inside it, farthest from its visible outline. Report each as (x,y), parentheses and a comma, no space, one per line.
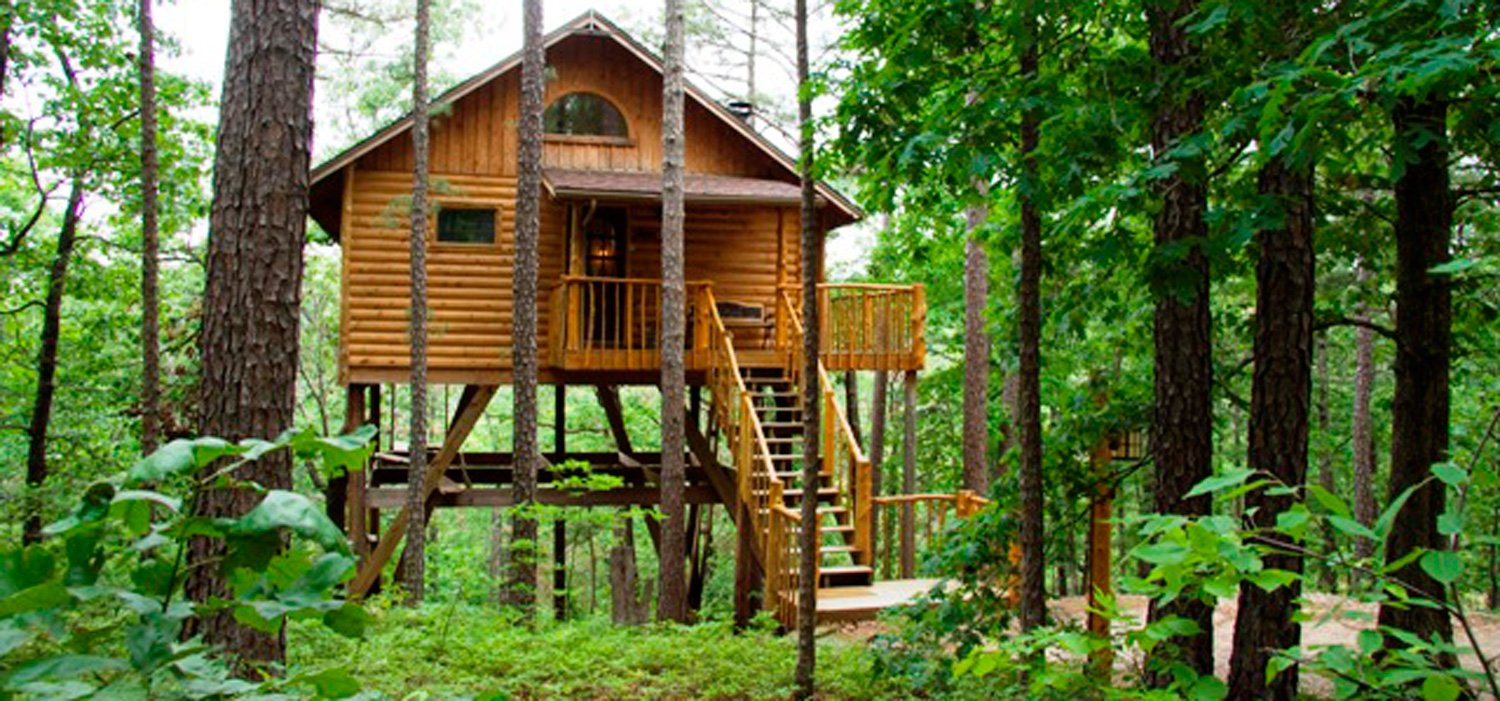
(282,509)
(331,683)
(339,454)
(42,596)
(1440,687)
(1383,523)
(1329,501)
(1349,526)
(349,620)
(1453,267)
(181,456)
(1445,566)
(1167,553)
(1451,475)
(56,668)
(1370,642)
(1450,523)
(1219,483)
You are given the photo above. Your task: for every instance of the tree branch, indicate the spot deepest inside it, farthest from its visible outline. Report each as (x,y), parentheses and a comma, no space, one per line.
(1332,322)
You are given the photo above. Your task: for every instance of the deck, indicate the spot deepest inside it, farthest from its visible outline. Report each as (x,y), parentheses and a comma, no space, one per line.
(849,604)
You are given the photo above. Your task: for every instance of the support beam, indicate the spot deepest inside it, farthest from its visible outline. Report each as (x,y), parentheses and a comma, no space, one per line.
(470,407)
(718,476)
(501,497)
(614,415)
(909,478)
(1099,552)
(560,526)
(747,570)
(352,500)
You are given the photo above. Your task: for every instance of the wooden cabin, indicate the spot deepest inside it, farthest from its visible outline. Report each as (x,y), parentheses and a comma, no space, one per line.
(600,291)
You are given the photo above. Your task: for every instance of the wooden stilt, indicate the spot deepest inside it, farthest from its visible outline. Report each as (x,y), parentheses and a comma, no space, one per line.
(352,502)
(471,407)
(560,526)
(336,497)
(1099,552)
(909,478)
(746,571)
(614,415)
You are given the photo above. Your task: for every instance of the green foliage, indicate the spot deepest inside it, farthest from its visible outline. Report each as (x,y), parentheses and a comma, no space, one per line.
(97,608)
(464,651)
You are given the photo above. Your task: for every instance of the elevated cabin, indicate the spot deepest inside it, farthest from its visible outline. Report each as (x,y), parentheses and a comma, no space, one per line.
(599,302)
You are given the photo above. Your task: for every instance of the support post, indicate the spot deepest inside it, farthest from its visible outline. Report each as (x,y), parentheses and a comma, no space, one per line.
(346,492)
(560,526)
(909,477)
(1099,553)
(745,570)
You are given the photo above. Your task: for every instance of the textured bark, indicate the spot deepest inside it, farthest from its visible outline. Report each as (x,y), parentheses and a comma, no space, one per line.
(1364,433)
(46,363)
(851,405)
(1327,575)
(1029,383)
(150,256)
(1279,403)
(976,356)
(625,606)
(249,338)
(812,268)
(522,588)
(1183,442)
(672,605)
(1424,339)
(414,560)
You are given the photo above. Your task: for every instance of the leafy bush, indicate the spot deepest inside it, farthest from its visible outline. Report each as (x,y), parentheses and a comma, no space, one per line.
(97,609)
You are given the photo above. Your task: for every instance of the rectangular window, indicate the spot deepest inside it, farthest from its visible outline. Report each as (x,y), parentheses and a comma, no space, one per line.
(466,226)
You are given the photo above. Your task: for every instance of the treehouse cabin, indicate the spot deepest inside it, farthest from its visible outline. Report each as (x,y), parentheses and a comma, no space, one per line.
(598,306)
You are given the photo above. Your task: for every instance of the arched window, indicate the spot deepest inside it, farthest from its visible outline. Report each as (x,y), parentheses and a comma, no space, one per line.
(584,114)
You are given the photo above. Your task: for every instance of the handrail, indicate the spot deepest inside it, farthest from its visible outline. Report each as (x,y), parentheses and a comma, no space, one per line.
(961,504)
(608,323)
(843,460)
(867,326)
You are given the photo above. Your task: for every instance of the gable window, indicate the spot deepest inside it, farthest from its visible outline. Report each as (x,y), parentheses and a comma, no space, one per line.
(584,114)
(459,225)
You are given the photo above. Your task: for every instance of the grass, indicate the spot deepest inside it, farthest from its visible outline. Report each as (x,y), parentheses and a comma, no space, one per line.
(465,651)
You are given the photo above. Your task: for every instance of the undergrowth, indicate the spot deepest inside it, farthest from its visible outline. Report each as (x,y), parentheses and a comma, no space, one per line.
(464,651)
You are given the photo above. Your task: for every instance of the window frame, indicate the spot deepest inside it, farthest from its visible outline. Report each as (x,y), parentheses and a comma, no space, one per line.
(590,139)
(435,224)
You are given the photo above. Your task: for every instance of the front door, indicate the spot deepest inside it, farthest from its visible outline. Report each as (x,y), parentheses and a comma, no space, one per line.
(604,252)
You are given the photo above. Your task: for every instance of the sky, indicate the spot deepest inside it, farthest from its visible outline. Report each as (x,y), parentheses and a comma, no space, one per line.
(201,28)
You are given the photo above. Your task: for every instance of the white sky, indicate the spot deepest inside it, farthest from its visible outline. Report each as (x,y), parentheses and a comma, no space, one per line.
(202,29)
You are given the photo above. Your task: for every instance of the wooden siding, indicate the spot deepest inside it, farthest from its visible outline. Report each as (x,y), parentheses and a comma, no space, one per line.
(478,135)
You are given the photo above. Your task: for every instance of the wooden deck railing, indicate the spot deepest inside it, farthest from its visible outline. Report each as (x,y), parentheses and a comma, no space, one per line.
(844,462)
(866,326)
(614,324)
(925,516)
(783,561)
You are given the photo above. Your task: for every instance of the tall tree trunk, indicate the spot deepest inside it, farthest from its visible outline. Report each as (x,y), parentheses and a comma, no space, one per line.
(812,267)
(1029,386)
(46,363)
(1364,433)
(851,405)
(625,605)
(497,550)
(976,352)
(1424,339)
(414,560)
(1184,352)
(1328,575)
(258,221)
(528,229)
(150,256)
(672,605)
(909,475)
(1280,394)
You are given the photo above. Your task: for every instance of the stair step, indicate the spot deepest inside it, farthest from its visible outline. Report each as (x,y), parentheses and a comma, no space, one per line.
(783,439)
(787,475)
(780,424)
(837,528)
(835,549)
(796,493)
(845,575)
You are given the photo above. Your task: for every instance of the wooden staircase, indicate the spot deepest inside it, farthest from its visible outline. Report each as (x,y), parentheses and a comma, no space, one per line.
(760,413)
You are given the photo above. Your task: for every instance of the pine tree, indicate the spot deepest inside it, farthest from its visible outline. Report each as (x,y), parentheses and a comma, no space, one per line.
(812,266)
(1029,381)
(528,229)
(672,604)
(414,560)
(250,321)
(150,245)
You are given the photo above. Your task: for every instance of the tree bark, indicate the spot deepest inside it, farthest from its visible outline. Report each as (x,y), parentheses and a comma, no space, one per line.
(1364,433)
(1327,575)
(976,354)
(625,606)
(414,560)
(150,255)
(1184,351)
(1424,339)
(1029,386)
(1280,394)
(672,605)
(812,267)
(522,589)
(250,321)
(909,476)
(46,364)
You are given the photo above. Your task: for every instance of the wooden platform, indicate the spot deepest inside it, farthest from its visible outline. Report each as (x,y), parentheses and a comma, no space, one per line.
(847,604)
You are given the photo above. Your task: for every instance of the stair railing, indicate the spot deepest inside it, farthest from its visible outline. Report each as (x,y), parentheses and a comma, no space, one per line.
(843,460)
(734,409)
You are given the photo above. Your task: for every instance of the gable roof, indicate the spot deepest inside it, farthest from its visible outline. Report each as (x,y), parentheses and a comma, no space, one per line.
(590,23)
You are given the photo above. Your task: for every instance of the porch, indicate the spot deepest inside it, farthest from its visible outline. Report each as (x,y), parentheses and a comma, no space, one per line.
(613,324)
